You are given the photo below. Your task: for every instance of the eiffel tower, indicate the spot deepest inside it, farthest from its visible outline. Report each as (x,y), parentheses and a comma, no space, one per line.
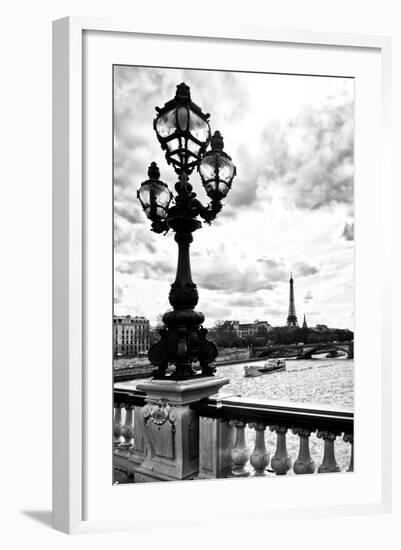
(292,320)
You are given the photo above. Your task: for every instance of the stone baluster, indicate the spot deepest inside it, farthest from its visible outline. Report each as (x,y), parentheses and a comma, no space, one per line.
(240,452)
(304,463)
(117,423)
(349,438)
(281,461)
(127,430)
(329,463)
(260,457)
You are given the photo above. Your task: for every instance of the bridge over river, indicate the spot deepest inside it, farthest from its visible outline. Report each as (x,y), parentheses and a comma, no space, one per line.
(305,351)
(129,369)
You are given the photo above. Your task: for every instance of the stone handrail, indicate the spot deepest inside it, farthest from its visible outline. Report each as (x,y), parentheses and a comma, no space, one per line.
(233,436)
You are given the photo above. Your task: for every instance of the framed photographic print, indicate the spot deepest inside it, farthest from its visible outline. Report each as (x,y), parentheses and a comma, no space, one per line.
(218,319)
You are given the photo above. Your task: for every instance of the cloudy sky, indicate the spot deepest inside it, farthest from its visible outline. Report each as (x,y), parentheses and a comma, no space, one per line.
(290,207)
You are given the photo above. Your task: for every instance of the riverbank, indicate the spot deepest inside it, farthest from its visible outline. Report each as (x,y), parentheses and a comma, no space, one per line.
(135,368)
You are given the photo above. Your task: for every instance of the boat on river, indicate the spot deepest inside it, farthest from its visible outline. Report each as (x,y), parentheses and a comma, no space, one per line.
(273,365)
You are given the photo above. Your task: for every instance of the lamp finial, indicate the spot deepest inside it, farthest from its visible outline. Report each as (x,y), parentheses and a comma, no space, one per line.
(183,92)
(217,142)
(153,171)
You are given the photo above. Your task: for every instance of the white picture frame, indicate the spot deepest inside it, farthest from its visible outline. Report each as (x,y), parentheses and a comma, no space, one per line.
(74,400)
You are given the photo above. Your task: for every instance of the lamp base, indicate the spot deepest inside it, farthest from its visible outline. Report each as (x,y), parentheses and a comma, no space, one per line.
(167,429)
(182,343)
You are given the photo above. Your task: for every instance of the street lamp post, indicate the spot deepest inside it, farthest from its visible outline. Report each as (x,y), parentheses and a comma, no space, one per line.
(184,134)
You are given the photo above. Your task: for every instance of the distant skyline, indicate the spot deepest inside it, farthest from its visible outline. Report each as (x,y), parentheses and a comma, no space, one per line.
(300,319)
(290,208)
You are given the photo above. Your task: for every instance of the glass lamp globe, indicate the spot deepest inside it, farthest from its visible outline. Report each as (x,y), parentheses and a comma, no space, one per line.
(154,195)
(183,130)
(216,169)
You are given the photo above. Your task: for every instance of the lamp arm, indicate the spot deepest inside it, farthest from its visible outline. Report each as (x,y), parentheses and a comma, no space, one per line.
(160,226)
(208,213)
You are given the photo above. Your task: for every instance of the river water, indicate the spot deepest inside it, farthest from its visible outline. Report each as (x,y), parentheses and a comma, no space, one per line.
(320,381)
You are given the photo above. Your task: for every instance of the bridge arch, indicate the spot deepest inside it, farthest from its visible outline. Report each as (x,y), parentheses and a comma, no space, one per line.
(305,351)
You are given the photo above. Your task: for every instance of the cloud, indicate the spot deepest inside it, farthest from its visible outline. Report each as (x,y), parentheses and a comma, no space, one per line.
(130,212)
(312,155)
(245,301)
(157,269)
(308,297)
(122,238)
(118,293)
(348,232)
(274,270)
(221,272)
(276,311)
(291,139)
(223,89)
(126,239)
(244,188)
(216,311)
(302,269)
(231,279)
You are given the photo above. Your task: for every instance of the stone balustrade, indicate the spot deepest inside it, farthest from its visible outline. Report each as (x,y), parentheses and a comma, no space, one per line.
(239,437)
(253,451)
(124,433)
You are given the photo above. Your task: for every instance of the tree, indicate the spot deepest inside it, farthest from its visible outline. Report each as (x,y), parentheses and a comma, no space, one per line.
(261,331)
(224,336)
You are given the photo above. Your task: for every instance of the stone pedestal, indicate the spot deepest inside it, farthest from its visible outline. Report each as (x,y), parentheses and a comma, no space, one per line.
(166,429)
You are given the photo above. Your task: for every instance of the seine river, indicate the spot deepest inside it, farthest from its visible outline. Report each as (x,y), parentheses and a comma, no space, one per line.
(318,381)
(321,381)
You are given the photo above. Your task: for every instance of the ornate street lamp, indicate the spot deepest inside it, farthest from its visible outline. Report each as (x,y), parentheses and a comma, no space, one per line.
(184,133)
(216,169)
(154,196)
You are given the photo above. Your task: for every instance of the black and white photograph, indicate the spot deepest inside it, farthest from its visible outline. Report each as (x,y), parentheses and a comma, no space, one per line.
(201,217)
(233,314)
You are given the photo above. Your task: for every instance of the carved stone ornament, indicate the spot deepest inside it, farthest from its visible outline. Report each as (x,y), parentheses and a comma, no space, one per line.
(348,438)
(278,429)
(159,413)
(327,436)
(302,432)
